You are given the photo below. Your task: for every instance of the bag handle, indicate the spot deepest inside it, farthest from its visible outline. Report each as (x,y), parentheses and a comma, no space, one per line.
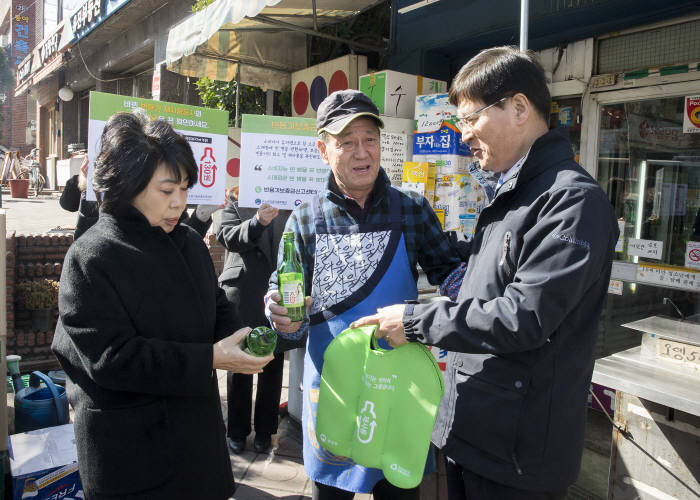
(375,342)
(60,411)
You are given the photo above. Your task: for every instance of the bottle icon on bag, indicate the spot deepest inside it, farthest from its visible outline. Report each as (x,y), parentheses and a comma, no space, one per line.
(207,168)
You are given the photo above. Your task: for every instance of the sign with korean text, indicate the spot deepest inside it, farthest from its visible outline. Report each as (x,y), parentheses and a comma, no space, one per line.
(206,130)
(691,116)
(651,249)
(669,276)
(89,12)
(692,254)
(22,31)
(686,354)
(393,155)
(280,163)
(24,69)
(49,46)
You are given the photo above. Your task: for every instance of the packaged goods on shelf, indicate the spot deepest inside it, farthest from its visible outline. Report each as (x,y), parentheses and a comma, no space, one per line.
(458,194)
(420,177)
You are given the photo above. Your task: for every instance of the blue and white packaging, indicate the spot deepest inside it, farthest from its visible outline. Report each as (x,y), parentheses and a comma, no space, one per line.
(44,464)
(436,130)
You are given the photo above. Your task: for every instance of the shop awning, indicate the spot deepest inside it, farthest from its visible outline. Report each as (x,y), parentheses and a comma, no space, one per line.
(267,38)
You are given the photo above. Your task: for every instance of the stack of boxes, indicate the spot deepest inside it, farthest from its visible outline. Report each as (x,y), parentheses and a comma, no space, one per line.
(458,199)
(439,169)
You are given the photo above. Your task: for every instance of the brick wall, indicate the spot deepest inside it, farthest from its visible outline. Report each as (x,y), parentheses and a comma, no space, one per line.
(32,257)
(217,252)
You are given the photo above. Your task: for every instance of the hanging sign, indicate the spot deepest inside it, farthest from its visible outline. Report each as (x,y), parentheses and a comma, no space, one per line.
(205,129)
(691,117)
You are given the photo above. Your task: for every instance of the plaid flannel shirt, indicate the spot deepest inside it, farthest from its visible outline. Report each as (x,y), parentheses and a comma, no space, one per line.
(426,243)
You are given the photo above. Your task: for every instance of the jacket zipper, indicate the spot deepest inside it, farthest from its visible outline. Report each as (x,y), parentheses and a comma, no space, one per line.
(517,465)
(505,256)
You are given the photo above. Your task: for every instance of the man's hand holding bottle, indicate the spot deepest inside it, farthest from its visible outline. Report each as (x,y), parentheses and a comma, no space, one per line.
(279,316)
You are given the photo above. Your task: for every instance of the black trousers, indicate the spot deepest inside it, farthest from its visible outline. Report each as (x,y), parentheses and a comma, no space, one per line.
(267,400)
(383,490)
(463,484)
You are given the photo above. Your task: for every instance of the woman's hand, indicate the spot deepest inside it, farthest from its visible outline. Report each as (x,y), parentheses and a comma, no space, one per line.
(228,355)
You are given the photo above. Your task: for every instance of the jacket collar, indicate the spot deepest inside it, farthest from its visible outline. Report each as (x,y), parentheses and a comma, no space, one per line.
(379,191)
(548,150)
(130,220)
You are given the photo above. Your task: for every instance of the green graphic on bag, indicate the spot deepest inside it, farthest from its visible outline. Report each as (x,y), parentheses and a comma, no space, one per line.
(378,406)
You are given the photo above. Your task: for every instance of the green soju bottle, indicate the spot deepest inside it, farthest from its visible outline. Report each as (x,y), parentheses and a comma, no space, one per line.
(290,276)
(261,341)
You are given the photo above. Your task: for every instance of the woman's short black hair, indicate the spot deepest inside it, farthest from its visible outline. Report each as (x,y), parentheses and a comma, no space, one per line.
(132,148)
(501,72)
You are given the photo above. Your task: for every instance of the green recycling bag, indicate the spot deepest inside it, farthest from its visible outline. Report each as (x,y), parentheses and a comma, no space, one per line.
(378,406)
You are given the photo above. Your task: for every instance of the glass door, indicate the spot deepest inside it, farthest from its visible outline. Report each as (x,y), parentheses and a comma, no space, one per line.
(649,166)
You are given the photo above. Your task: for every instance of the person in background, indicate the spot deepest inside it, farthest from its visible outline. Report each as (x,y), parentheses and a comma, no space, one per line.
(251,238)
(360,242)
(523,321)
(142,327)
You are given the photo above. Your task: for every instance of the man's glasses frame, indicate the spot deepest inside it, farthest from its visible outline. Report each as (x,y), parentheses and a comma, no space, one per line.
(465,122)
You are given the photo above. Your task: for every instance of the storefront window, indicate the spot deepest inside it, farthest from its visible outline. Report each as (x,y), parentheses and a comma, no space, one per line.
(650,170)
(566,117)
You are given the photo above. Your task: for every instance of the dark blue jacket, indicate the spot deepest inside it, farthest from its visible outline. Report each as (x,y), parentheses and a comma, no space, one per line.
(524,325)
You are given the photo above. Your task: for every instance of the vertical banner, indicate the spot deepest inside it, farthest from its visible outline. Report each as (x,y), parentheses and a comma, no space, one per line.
(280,163)
(22,31)
(205,129)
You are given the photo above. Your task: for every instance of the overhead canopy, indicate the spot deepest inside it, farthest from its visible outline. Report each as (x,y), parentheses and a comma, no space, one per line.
(267,38)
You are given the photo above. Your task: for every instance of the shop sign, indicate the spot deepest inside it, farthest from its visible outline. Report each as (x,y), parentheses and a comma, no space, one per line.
(205,129)
(88,13)
(49,47)
(21,31)
(691,117)
(24,69)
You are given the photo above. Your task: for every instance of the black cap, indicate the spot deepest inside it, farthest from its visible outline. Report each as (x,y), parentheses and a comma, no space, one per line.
(340,108)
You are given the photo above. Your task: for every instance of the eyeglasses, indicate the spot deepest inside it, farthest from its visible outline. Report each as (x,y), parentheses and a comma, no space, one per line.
(469,121)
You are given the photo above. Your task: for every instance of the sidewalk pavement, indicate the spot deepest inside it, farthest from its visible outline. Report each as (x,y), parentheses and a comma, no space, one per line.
(280,473)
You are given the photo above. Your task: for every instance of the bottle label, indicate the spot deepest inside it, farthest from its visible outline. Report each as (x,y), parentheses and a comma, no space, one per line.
(292,289)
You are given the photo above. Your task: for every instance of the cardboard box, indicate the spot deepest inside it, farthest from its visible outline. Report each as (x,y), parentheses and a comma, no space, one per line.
(432,110)
(419,177)
(312,85)
(445,141)
(44,464)
(395,93)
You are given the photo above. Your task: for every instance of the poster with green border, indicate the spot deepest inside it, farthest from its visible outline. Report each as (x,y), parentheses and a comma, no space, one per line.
(205,129)
(280,163)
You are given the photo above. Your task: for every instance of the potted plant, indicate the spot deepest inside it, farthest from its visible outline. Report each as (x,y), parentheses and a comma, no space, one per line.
(40,298)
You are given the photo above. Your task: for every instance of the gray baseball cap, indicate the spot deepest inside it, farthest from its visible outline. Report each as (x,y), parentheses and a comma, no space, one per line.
(340,108)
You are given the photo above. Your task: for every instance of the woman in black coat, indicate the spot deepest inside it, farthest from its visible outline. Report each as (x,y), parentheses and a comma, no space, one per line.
(251,238)
(142,326)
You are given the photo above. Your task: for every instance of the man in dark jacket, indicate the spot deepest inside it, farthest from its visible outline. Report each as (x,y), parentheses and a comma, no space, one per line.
(523,324)
(251,238)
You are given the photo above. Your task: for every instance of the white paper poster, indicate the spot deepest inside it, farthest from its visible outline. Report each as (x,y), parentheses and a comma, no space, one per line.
(692,254)
(393,156)
(650,249)
(280,163)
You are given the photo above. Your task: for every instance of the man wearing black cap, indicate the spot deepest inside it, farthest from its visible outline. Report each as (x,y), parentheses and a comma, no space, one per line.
(360,242)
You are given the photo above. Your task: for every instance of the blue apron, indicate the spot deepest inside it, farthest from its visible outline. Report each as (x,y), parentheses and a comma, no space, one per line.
(357,269)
